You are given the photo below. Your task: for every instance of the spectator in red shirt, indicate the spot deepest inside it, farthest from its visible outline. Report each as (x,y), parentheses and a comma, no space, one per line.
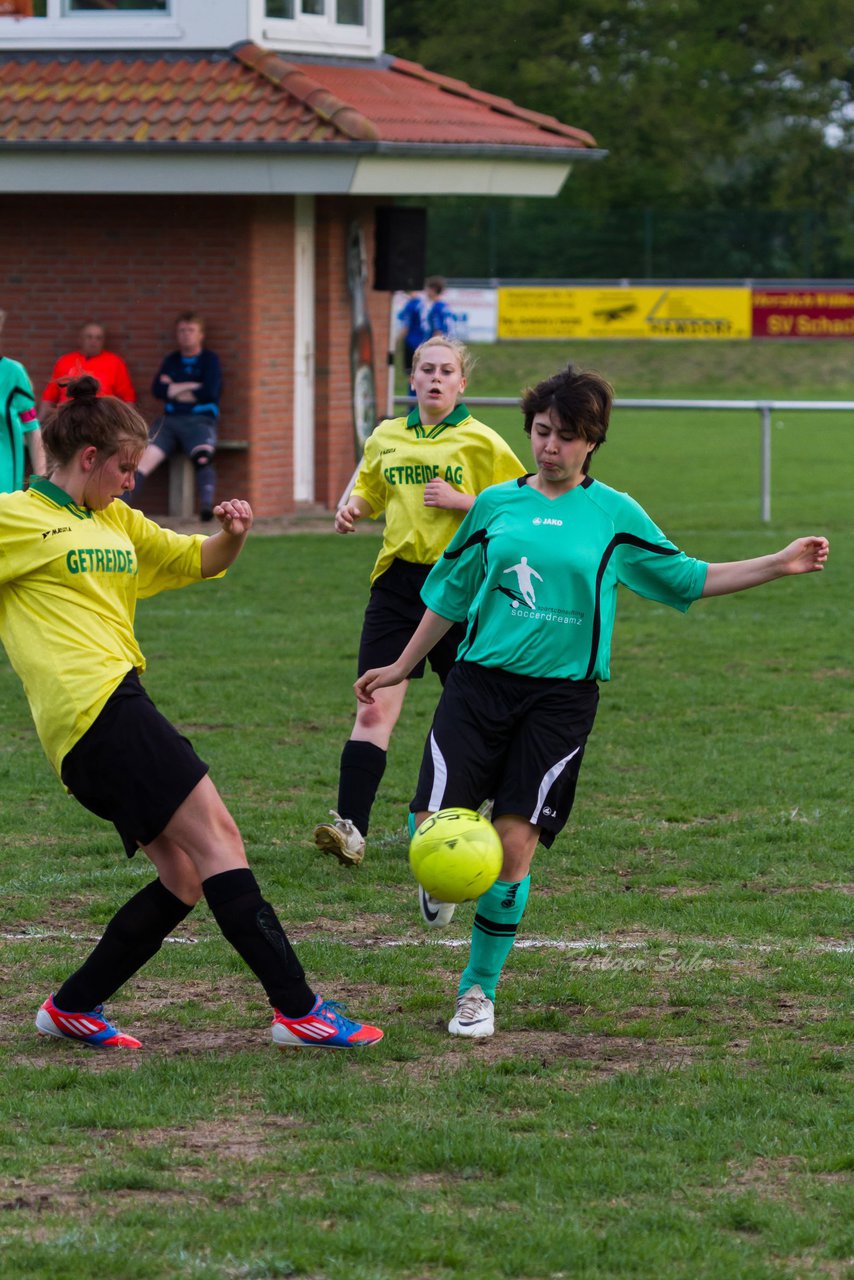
(110,370)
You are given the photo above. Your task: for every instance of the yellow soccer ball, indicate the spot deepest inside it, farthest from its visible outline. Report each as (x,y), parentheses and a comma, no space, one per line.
(456,855)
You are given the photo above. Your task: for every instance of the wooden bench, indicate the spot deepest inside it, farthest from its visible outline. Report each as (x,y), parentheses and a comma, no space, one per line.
(182,478)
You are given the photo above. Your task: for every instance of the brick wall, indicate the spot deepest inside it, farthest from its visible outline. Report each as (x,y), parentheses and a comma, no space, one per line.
(131,263)
(134,262)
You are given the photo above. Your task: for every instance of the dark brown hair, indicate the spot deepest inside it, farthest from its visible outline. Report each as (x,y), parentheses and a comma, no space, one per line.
(86,418)
(580,401)
(190,317)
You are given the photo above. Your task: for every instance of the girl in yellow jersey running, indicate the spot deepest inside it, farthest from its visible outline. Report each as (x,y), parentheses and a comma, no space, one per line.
(73,563)
(423,472)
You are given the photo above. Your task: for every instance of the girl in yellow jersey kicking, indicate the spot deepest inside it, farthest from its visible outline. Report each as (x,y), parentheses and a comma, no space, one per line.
(422,471)
(73,563)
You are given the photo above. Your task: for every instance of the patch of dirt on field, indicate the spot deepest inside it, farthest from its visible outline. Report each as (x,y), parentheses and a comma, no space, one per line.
(230,1139)
(826,1268)
(770,1177)
(364,931)
(674,890)
(755,886)
(782,1012)
(601,1055)
(56,1189)
(820,886)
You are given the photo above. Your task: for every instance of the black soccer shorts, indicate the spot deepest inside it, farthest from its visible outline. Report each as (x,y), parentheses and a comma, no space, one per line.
(132,767)
(517,739)
(392,616)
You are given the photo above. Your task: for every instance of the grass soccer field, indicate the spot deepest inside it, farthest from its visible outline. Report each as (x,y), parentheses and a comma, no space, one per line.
(668,1092)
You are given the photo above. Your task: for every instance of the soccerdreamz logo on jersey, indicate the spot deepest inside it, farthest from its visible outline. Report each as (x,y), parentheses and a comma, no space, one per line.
(523,596)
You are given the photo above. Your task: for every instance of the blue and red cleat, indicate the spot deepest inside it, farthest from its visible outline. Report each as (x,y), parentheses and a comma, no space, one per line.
(88,1028)
(323,1027)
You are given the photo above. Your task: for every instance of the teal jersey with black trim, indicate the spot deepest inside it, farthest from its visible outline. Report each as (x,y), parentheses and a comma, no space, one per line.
(535,578)
(18,416)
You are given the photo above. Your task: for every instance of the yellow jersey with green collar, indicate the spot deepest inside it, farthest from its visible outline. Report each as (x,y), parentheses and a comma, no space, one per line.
(402,455)
(70,578)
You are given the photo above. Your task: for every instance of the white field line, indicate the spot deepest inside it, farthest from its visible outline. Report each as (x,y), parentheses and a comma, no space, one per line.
(521,944)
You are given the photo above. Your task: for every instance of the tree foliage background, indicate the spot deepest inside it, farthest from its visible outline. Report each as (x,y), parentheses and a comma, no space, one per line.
(728,126)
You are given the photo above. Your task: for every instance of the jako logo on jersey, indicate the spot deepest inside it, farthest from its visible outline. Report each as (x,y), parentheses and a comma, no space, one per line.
(100,560)
(551,813)
(547,520)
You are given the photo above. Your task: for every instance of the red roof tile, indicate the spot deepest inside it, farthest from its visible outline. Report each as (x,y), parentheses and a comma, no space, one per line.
(253,96)
(408,103)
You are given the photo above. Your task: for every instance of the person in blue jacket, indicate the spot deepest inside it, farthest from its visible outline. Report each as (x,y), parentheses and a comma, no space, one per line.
(189,382)
(424,316)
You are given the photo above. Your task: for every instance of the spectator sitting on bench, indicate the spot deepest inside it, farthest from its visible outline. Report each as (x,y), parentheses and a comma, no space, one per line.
(190,382)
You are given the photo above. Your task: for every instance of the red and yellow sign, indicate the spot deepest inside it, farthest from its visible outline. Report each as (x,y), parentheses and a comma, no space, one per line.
(668,311)
(803,313)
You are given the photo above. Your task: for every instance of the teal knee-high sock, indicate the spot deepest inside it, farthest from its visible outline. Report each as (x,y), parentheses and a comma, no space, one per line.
(496,920)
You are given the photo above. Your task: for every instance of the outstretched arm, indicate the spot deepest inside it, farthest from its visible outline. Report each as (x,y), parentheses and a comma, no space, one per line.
(224,547)
(804,555)
(428,633)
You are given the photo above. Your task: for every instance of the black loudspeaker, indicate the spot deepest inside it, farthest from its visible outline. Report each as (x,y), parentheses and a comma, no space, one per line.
(400,254)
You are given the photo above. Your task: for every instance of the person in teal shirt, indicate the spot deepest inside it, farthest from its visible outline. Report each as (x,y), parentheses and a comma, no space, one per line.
(533,572)
(19,423)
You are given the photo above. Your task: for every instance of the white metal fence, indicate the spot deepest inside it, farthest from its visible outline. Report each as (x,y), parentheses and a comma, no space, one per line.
(763,407)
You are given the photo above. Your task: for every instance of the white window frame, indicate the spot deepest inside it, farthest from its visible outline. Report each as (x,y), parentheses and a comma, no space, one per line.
(320,33)
(91,26)
(119,15)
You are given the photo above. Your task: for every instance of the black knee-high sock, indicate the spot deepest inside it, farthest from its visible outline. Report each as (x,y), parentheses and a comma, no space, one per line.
(361,771)
(132,937)
(252,927)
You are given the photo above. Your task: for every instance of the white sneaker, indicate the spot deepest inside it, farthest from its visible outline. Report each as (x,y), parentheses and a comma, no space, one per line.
(342,839)
(434,913)
(475,1014)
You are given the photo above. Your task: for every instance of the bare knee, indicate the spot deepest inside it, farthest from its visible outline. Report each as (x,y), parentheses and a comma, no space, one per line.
(175,870)
(226,834)
(519,840)
(372,718)
(375,722)
(205,830)
(188,888)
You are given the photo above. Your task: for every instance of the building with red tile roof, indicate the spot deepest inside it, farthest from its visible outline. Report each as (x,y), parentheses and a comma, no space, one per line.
(157,155)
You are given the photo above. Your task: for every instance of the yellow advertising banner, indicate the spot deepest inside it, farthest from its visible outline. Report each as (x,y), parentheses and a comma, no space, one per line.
(667,311)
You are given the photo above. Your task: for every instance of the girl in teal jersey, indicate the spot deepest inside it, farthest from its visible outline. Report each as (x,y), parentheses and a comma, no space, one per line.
(533,572)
